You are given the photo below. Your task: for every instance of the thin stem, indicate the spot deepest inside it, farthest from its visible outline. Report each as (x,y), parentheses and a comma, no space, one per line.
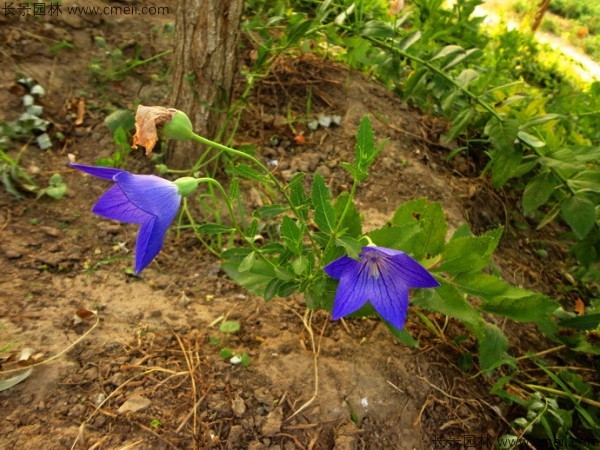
(273,178)
(581,398)
(342,216)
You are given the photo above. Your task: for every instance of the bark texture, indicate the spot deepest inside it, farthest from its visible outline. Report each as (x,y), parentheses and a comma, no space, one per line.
(539,14)
(206,36)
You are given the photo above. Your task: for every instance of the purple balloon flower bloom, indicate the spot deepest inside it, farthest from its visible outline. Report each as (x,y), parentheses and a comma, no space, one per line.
(148,200)
(382,277)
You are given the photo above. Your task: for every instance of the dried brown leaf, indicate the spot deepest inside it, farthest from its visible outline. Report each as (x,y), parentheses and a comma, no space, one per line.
(147,120)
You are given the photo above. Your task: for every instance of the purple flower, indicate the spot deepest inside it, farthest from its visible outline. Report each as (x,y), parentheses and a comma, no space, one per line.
(148,200)
(382,277)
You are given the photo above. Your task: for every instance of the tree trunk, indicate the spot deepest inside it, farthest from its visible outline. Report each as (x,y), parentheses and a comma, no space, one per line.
(206,38)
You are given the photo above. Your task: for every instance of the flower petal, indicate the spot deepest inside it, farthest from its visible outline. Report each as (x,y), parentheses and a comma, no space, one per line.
(412,273)
(340,266)
(150,193)
(384,250)
(149,242)
(350,294)
(389,297)
(115,205)
(108,173)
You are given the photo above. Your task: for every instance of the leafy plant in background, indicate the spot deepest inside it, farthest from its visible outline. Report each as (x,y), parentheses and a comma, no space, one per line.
(28,126)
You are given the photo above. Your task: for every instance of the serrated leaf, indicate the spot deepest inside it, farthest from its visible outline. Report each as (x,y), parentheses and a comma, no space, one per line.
(121,118)
(416,79)
(365,143)
(493,345)
(321,200)
(213,228)
(234,189)
(268,211)
(448,300)
(538,191)
(300,265)
(488,287)
(292,235)
(580,213)
(587,181)
(465,255)
(254,280)
(527,309)
(245,171)
(505,163)
(401,238)
(352,246)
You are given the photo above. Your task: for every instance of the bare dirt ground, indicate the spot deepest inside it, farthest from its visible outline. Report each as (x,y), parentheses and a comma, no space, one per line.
(146,371)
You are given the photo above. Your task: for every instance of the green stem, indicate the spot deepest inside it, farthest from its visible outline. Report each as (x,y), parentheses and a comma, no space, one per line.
(342,216)
(234,221)
(273,178)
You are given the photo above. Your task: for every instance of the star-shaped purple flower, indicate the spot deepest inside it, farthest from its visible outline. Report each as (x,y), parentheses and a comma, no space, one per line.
(148,200)
(382,277)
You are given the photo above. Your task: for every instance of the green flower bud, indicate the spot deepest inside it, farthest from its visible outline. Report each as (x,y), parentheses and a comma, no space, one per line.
(162,169)
(186,185)
(179,127)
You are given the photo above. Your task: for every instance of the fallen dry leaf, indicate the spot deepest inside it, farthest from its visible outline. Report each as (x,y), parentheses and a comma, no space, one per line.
(579,306)
(80,111)
(299,139)
(147,120)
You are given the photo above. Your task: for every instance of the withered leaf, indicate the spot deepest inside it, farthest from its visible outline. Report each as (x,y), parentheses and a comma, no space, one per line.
(147,120)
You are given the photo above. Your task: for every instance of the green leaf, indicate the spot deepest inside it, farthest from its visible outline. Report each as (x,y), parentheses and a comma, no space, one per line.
(430,217)
(466,255)
(585,322)
(448,300)
(414,82)
(586,181)
(365,143)
(505,163)
(229,326)
(461,58)
(352,246)
(298,31)
(121,118)
(527,309)
(580,213)
(460,122)
(268,211)
(493,346)
(488,287)
(248,262)
(234,189)
(409,40)
(538,191)
(245,171)
(401,238)
(378,30)
(466,77)
(352,223)
(447,51)
(292,235)
(530,140)
(402,335)
(300,265)
(321,200)
(254,280)
(213,228)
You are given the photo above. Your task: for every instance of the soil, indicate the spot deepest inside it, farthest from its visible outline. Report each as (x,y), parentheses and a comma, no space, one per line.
(124,362)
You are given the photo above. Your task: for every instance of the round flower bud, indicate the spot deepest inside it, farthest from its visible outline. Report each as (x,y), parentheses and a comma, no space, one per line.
(186,185)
